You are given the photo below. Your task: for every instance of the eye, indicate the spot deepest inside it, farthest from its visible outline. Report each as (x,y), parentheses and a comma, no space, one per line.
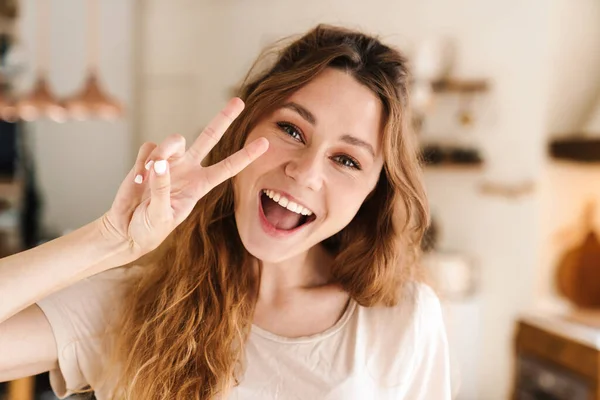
(291,130)
(347,162)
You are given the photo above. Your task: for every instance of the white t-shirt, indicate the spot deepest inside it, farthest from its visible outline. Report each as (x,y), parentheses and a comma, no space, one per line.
(377,353)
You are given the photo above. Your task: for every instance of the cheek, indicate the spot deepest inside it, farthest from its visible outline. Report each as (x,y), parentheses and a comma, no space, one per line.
(270,160)
(261,131)
(344,202)
(347,196)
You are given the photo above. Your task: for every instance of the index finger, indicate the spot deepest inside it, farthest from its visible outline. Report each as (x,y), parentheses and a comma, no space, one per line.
(232,165)
(213,132)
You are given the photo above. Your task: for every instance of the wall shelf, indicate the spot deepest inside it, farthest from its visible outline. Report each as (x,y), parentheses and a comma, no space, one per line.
(460,85)
(454,167)
(444,155)
(576,149)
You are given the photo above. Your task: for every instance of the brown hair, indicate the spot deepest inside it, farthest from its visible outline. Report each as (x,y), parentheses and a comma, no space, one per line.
(185,321)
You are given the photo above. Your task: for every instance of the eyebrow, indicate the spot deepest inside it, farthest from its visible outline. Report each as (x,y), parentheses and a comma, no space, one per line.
(310,118)
(304,113)
(354,141)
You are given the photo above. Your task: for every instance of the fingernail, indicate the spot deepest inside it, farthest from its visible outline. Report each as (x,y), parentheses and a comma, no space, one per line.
(160,167)
(148,165)
(138,179)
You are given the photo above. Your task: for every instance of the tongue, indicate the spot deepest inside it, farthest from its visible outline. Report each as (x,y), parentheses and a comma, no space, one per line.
(279,217)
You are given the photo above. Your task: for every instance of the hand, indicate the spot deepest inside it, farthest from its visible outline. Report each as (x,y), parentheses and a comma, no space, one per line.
(146,211)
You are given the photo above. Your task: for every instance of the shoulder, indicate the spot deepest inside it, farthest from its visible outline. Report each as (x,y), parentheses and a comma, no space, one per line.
(414,321)
(417,304)
(413,326)
(427,306)
(405,344)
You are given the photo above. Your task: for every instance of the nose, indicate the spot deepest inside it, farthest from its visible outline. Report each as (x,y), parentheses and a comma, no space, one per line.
(307,170)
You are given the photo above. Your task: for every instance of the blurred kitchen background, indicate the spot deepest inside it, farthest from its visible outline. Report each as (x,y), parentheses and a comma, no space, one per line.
(507,97)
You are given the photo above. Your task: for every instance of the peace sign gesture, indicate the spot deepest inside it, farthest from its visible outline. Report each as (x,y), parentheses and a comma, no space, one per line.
(167,181)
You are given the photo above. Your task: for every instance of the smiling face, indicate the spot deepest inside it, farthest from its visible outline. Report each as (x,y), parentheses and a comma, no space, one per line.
(324,158)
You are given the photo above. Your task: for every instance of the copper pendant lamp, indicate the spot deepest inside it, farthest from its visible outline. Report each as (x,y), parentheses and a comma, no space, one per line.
(41,102)
(8,109)
(92,100)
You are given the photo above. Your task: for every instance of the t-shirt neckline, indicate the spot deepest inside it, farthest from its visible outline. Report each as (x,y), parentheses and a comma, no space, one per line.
(348,312)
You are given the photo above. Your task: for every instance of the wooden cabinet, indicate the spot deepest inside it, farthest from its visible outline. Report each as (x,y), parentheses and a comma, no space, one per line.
(21,389)
(556,359)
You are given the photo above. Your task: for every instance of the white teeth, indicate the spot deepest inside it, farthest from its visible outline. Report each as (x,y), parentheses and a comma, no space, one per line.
(292,206)
(286,203)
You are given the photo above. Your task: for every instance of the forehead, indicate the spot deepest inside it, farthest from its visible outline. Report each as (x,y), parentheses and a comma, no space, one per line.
(343,106)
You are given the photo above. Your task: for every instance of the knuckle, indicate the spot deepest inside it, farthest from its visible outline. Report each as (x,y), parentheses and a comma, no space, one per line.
(247,155)
(161,189)
(147,145)
(206,182)
(145,149)
(177,138)
(228,117)
(228,164)
(211,133)
(194,153)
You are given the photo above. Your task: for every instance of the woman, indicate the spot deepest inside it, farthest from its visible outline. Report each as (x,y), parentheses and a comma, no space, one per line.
(295,279)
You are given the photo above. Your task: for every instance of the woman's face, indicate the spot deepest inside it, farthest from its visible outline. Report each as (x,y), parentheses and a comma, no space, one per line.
(324,158)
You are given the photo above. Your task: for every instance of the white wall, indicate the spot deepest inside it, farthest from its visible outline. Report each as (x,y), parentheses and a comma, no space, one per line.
(80,164)
(575,64)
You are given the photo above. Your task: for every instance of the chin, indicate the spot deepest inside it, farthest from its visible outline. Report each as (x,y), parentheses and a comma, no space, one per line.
(265,249)
(267,255)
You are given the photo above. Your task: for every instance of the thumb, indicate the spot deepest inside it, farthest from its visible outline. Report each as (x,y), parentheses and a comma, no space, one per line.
(159,208)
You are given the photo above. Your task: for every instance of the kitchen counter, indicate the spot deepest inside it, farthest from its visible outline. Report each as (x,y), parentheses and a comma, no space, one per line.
(580,326)
(558,356)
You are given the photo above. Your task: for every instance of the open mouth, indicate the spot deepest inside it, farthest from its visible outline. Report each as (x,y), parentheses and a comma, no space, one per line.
(282,214)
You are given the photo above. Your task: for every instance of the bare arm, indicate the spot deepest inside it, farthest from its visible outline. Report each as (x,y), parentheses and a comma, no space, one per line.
(31,275)
(27,345)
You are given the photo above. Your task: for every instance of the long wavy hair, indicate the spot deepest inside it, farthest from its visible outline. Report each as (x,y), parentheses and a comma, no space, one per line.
(186,318)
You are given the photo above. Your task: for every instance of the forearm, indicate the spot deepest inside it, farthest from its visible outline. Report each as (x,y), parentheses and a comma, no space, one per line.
(31,275)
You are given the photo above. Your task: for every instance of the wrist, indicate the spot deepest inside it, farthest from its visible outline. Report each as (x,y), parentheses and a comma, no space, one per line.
(111,243)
